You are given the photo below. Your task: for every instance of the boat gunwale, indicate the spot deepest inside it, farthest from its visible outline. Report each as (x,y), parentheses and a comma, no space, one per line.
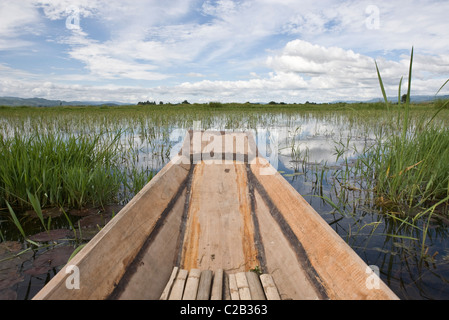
(49,291)
(257,181)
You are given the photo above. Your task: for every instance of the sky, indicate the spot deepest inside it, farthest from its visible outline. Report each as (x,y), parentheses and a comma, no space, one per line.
(228,51)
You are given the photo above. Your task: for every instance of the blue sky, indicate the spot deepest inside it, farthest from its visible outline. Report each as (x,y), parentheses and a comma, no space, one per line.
(229,51)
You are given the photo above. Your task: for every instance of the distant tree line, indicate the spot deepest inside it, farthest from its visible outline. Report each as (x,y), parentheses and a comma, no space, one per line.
(211,104)
(144,103)
(404,98)
(140,103)
(274,102)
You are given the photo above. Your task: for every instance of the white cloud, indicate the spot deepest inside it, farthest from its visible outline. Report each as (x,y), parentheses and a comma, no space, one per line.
(304,71)
(10,73)
(195,75)
(304,57)
(128,54)
(16,19)
(104,63)
(61,9)
(301,71)
(240,50)
(71,92)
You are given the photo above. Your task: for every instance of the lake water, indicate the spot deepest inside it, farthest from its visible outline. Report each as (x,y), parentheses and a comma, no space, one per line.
(317,154)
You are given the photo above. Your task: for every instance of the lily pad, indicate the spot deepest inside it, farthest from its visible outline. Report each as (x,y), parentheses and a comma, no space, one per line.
(9,277)
(51,235)
(86,233)
(14,260)
(46,213)
(50,259)
(84,212)
(113,209)
(10,246)
(9,269)
(94,220)
(8,294)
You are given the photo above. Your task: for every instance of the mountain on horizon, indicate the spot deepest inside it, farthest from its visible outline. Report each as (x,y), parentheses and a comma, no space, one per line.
(40,102)
(413,99)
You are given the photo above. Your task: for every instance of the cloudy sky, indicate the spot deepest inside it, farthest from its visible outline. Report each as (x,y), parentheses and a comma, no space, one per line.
(204,50)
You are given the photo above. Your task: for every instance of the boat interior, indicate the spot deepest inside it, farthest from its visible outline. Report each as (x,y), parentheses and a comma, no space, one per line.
(217,206)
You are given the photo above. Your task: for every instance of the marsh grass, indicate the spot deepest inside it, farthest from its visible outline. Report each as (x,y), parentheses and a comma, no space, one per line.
(414,171)
(58,171)
(410,172)
(411,169)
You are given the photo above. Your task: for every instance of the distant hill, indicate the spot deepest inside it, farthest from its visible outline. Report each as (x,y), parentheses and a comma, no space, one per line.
(39,102)
(417,99)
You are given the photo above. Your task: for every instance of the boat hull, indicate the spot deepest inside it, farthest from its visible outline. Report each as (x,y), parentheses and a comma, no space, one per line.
(218,205)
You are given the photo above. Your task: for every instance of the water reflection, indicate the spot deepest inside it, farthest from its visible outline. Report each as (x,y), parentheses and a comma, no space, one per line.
(317,154)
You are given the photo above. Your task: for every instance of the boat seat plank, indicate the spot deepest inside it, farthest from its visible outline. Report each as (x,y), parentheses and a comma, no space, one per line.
(226,290)
(271,292)
(217,285)
(178,287)
(192,284)
(166,293)
(242,284)
(233,289)
(255,287)
(199,284)
(205,284)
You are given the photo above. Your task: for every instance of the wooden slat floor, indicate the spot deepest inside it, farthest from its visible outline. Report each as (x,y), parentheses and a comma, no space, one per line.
(199,284)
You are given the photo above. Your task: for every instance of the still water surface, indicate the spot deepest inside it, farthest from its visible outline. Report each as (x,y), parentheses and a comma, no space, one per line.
(318,156)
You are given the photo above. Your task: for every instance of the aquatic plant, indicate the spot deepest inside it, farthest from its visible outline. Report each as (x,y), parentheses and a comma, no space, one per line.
(411,168)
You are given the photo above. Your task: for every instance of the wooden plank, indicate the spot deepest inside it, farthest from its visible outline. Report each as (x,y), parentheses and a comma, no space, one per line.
(178,286)
(217,286)
(269,287)
(226,292)
(165,294)
(255,287)
(205,285)
(233,289)
(219,218)
(192,283)
(242,284)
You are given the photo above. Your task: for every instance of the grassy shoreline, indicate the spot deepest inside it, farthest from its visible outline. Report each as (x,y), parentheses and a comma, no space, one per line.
(226,106)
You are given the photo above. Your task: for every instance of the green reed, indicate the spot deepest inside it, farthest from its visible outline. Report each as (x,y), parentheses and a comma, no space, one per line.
(411,168)
(56,170)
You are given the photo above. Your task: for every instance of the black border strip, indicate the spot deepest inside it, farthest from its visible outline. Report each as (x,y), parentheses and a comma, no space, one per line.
(296,245)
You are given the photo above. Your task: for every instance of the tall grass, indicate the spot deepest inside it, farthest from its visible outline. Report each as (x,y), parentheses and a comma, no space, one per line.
(56,170)
(411,169)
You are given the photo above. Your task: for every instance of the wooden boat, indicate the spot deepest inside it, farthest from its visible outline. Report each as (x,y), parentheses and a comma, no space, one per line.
(218,205)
